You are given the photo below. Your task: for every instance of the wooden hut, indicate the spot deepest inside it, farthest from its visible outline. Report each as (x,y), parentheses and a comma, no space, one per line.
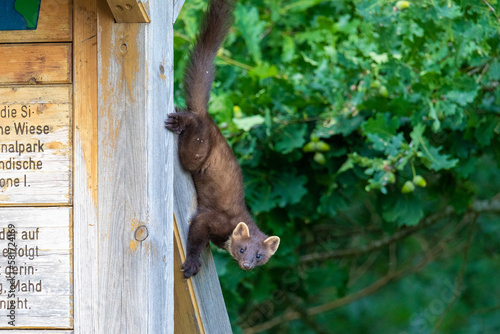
(94,207)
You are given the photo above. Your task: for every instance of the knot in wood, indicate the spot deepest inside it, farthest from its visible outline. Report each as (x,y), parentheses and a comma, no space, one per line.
(124,48)
(141,233)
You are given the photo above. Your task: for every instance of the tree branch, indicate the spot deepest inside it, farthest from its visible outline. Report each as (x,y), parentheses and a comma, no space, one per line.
(429,256)
(403,233)
(460,277)
(487,206)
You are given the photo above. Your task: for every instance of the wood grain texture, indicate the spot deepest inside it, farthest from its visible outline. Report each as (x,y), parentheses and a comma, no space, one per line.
(35,63)
(187,313)
(41,159)
(43,258)
(135,173)
(85,86)
(206,283)
(54,25)
(128,11)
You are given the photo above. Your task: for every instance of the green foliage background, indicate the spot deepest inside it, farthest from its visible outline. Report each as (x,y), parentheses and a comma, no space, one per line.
(331,107)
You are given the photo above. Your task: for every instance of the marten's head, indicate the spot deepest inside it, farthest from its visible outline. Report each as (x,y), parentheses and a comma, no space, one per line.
(251,250)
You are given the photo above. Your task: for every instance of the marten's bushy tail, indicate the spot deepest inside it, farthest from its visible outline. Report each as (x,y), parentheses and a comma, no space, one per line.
(200,67)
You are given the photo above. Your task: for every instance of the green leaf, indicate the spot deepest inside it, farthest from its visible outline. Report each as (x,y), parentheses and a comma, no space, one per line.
(494,71)
(260,196)
(485,132)
(246,123)
(460,97)
(264,70)
(287,49)
(431,155)
(290,138)
(379,58)
(403,210)
(343,125)
(383,125)
(435,160)
(289,188)
(449,11)
(390,147)
(249,23)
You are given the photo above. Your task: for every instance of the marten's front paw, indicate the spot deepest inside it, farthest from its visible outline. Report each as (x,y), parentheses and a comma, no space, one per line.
(191,267)
(174,124)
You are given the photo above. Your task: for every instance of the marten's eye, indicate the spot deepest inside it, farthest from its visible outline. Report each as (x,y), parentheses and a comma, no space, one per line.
(258,256)
(242,251)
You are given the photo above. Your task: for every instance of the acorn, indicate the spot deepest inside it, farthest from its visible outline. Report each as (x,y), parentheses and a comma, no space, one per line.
(402,5)
(309,147)
(408,187)
(375,84)
(316,146)
(383,91)
(419,181)
(237,112)
(322,146)
(319,158)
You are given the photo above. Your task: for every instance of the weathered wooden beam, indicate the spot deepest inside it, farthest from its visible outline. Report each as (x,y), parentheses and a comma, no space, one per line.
(207,293)
(186,314)
(135,156)
(128,11)
(85,171)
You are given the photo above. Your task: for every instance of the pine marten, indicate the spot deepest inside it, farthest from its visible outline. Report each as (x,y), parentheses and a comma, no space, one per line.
(222,216)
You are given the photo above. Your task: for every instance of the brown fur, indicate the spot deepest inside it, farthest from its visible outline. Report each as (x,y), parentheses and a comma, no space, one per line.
(204,152)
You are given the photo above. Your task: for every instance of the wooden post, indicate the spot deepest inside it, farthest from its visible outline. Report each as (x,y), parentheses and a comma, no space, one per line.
(85,172)
(135,173)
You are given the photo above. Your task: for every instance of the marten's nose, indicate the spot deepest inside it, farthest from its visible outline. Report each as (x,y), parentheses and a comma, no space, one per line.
(246,265)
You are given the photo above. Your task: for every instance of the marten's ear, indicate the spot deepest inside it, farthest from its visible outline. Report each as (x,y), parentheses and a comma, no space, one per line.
(241,231)
(272,244)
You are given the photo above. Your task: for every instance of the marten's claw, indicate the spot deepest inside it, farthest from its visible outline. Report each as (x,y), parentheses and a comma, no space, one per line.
(172,123)
(191,267)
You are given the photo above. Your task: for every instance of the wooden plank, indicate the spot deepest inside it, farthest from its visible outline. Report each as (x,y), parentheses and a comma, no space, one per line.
(128,11)
(54,25)
(206,284)
(85,198)
(41,270)
(35,63)
(186,314)
(35,145)
(135,173)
